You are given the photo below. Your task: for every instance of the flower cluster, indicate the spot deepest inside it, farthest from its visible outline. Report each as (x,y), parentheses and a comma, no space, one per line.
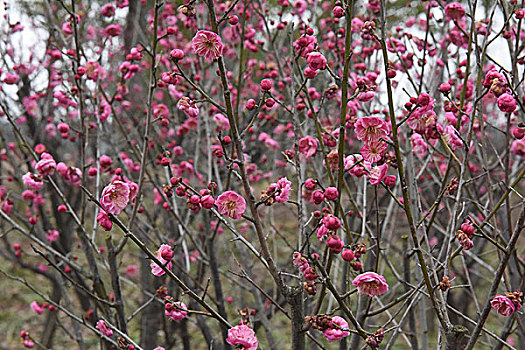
(465,234)
(507,304)
(175,310)
(333,328)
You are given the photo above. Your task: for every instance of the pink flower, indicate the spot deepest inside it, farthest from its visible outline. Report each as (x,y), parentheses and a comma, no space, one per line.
(115,197)
(166,252)
(32,181)
(37,308)
(52,235)
(373,151)
(104,221)
(335,332)
(419,145)
(174,311)
(285,187)
(518,147)
(11,78)
(371,128)
(454,11)
(452,138)
(72,175)
(507,103)
(103,327)
(231,204)
(503,305)
(316,61)
(370,283)
(46,165)
(223,124)
(156,269)
(378,174)
(113,30)
(188,107)
(207,44)
(28,343)
(308,146)
(242,335)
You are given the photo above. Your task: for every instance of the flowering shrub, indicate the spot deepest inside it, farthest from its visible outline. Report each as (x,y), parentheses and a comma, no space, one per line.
(320,174)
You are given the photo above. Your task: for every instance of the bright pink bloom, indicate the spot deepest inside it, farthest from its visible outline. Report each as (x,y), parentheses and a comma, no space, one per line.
(28,343)
(308,146)
(371,128)
(103,327)
(503,305)
(113,30)
(156,269)
(242,335)
(316,61)
(450,135)
(223,124)
(454,11)
(284,187)
(37,308)
(46,165)
(336,333)
(166,252)
(32,181)
(52,235)
(115,197)
(11,78)
(419,145)
(104,221)
(378,174)
(518,147)
(72,175)
(174,311)
(373,151)
(189,107)
(331,193)
(507,103)
(370,283)
(207,44)
(231,204)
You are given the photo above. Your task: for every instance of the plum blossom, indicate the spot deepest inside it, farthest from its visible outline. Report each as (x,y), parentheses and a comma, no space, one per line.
(189,107)
(507,103)
(337,331)
(370,283)
(37,308)
(176,310)
(454,11)
(373,151)
(452,138)
(103,327)
(308,146)
(104,221)
(52,235)
(231,204)
(371,128)
(503,305)
(71,175)
(207,44)
(32,181)
(115,197)
(156,269)
(242,335)
(280,190)
(378,174)
(46,165)
(419,145)
(316,61)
